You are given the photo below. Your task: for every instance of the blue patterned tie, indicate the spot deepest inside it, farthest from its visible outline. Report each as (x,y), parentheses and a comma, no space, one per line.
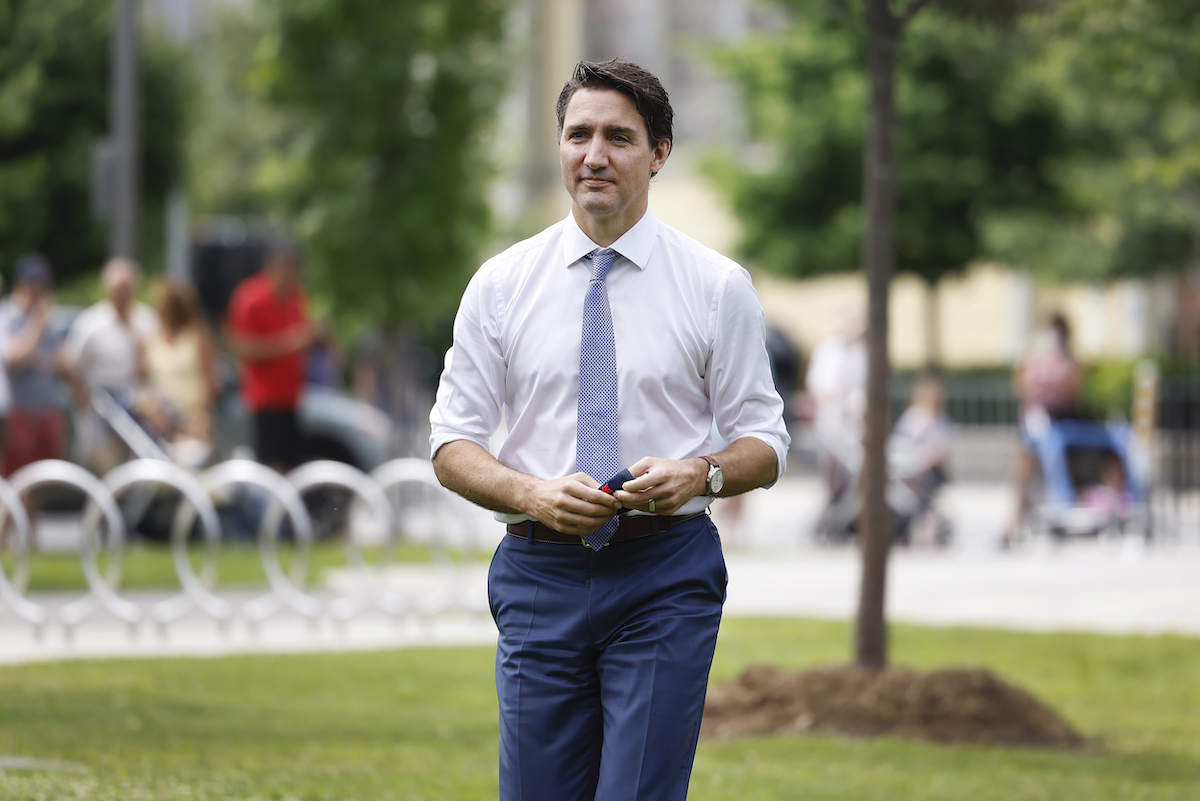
(597,432)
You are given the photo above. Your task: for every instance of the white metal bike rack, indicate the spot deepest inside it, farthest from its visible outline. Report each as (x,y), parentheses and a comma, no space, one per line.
(103,534)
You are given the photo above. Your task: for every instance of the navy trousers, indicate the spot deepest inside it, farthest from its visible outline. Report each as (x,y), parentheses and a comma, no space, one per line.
(602,663)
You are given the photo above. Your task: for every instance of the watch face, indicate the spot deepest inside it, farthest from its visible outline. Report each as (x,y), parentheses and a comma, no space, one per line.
(717,480)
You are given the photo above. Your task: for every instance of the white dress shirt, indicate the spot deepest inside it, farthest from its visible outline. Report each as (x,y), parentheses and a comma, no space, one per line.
(837,381)
(690,351)
(105,350)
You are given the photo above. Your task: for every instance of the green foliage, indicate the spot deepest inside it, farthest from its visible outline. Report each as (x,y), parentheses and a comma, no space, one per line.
(385,170)
(53,106)
(1066,140)
(230,146)
(421,724)
(1126,79)
(968,144)
(1108,388)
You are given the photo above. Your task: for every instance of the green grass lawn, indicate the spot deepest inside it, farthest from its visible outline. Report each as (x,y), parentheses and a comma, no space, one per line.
(149,566)
(420,724)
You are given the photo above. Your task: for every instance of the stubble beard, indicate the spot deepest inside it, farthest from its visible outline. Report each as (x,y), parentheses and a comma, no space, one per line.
(599,200)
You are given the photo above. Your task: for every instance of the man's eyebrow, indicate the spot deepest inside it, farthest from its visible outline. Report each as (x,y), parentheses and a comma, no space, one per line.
(621,129)
(632,133)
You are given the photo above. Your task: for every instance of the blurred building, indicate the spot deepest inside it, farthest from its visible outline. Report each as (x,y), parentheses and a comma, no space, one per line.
(983,318)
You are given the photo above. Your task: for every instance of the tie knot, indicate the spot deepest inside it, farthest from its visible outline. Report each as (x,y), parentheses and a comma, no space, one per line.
(602,262)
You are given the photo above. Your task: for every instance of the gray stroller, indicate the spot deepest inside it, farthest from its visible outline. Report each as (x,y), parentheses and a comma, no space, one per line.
(912,490)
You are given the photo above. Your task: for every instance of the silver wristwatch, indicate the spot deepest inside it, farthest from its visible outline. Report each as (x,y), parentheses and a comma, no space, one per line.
(716,476)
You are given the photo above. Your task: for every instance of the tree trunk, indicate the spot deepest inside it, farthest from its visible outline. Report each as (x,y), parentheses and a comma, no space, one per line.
(879,196)
(933,328)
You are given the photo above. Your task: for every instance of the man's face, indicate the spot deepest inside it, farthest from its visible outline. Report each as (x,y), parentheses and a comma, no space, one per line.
(288,272)
(607,159)
(35,290)
(120,288)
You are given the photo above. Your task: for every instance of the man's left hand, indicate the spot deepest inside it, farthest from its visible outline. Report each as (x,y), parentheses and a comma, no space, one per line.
(668,483)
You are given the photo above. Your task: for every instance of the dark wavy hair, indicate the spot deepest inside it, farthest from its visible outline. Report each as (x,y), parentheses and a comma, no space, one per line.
(637,83)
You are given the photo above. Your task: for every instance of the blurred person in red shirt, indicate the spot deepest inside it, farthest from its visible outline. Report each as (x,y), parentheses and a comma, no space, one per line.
(268,331)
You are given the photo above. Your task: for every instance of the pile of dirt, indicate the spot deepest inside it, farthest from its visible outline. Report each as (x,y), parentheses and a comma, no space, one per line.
(953,705)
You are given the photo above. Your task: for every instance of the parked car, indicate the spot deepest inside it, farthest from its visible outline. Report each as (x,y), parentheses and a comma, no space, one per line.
(334,425)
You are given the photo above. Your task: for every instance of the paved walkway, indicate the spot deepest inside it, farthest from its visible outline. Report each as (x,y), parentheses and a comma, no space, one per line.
(774,569)
(1077,589)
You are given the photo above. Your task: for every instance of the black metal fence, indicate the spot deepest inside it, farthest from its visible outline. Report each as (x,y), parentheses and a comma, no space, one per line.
(971,399)
(1179,431)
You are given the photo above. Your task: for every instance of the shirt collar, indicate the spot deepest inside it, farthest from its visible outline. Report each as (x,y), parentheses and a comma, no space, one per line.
(635,244)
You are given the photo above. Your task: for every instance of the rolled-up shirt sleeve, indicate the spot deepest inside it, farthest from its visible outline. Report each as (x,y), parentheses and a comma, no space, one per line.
(470,395)
(740,389)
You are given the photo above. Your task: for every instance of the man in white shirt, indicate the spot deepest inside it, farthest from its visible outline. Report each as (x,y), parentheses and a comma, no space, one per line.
(105,341)
(836,380)
(626,360)
(104,346)
(836,386)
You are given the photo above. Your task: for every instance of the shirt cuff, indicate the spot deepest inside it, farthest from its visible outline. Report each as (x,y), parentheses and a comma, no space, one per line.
(436,441)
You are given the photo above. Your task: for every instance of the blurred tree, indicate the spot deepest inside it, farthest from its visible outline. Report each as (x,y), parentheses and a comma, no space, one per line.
(1066,139)
(886,25)
(1066,143)
(1126,79)
(231,142)
(386,161)
(53,106)
(970,141)
(941,144)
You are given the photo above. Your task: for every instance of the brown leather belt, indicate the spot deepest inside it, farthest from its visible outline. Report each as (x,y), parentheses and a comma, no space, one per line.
(628,528)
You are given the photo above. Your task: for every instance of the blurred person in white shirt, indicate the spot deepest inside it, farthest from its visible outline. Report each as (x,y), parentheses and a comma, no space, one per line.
(104,346)
(835,386)
(923,429)
(919,450)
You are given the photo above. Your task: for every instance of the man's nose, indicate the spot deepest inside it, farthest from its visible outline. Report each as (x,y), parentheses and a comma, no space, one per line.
(597,152)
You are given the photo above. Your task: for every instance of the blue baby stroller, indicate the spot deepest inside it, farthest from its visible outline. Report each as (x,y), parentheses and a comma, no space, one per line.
(1093,480)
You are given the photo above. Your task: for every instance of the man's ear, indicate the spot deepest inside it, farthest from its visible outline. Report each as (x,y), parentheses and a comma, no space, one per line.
(658,156)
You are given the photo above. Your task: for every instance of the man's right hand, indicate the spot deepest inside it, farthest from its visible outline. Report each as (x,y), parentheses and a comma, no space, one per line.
(573,504)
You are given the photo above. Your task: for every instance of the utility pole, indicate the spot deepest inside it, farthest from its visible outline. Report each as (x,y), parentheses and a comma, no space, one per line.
(556,45)
(179,18)
(124,114)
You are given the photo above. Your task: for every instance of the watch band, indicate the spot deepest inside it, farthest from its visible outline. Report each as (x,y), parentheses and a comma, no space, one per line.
(714,468)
